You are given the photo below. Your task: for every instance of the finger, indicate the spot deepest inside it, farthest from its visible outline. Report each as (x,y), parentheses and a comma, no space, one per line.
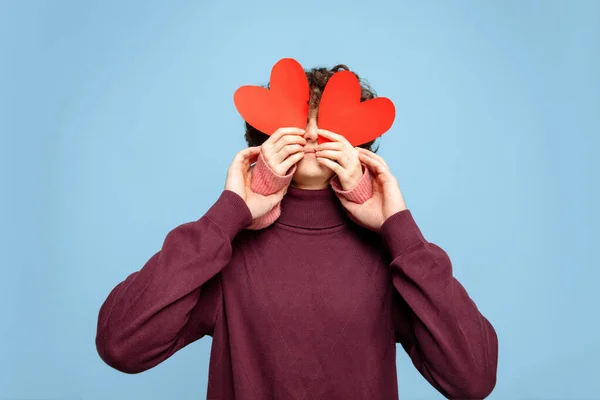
(374,155)
(290,149)
(285,131)
(286,141)
(366,154)
(291,160)
(378,157)
(249,152)
(330,146)
(334,155)
(365,151)
(286,152)
(374,164)
(335,167)
(280,150)
(381,173)
(369,161)
(332,136)
(244,154)
(242,161)
(251,157)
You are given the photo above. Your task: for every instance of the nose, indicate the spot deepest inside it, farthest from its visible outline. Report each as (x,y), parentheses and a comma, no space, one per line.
(311,130)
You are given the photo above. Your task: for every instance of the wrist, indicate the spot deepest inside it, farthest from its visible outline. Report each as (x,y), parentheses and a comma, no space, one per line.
(265,180)
(352,182)
(230,212)
(393,211)
(360,192)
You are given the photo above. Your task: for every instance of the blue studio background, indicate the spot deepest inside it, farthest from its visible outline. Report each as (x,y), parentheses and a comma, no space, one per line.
(118,124)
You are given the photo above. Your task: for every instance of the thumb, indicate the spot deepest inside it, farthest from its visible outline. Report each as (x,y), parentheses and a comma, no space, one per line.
(276,197)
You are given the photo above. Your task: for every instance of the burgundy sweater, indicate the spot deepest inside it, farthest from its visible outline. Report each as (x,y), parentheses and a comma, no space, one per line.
(311,307)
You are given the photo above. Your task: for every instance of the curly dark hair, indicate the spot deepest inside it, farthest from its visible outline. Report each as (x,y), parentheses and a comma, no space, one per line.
(317,78)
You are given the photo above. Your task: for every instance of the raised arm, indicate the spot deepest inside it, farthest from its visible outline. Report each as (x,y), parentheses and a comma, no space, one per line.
(439,326)
(449,341)
(172,301)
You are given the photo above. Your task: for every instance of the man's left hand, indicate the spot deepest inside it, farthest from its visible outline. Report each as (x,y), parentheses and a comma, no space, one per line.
(341,157)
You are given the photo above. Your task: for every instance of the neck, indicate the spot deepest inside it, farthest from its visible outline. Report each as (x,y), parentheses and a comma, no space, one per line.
(311,208)
(309,185)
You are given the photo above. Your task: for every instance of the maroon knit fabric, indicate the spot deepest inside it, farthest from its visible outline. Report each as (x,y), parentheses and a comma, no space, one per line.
(310,307)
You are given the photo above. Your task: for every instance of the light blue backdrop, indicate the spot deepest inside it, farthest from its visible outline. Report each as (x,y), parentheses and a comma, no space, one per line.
(118,124)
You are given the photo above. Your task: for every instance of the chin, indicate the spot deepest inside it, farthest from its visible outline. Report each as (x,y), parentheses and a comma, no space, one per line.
(310,168)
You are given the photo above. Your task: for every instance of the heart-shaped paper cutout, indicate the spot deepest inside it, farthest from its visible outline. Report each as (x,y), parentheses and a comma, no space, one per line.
(284,104)
(342,112)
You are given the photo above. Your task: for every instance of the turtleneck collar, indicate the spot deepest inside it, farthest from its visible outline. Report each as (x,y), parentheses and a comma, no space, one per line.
(311,209)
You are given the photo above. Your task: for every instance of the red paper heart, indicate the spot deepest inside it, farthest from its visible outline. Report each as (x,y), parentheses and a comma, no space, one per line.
(342,112)
(284,104)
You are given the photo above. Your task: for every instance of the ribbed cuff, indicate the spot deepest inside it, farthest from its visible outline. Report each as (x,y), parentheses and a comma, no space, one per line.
(265,181)
(360,193)
(230,213)
(400,232)
(267,219)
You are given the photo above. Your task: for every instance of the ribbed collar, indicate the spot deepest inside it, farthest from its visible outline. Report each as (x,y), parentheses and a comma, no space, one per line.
(311,209)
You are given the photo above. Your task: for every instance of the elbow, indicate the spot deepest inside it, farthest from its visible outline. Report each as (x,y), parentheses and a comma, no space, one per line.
(481,377)
(478,383)
(479,387)
(117,357)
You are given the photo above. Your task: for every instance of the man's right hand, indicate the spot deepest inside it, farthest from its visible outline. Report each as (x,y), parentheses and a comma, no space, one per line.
(239,181)
(283,149)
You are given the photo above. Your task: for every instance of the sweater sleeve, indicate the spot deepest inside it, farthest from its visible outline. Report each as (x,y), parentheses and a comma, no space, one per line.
(265,181)
(360,193)
(173,299)
(454,347)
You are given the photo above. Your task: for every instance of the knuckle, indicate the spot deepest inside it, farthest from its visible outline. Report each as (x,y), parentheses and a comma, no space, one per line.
(269,148)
